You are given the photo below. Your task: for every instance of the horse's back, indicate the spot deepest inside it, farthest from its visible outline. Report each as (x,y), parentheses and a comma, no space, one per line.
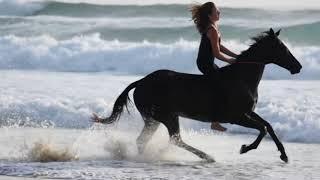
(172,79)
(164,73)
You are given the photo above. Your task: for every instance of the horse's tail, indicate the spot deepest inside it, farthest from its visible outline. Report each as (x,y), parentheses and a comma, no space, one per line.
(121,101)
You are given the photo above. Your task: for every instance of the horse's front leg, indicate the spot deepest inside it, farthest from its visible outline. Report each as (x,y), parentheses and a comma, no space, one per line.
(270,130)
(246,121)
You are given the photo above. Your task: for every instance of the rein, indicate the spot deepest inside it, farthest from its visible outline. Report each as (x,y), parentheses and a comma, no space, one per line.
(238,61)
(247,62)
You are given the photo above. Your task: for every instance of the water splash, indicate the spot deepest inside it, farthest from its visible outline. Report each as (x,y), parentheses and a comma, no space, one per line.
(46,152)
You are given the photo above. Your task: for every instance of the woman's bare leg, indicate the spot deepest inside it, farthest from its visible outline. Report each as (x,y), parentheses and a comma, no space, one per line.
(217,126)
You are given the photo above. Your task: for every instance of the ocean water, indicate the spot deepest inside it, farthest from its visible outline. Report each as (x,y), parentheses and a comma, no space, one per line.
(62,60)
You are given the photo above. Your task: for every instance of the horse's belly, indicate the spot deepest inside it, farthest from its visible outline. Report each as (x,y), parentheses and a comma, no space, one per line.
(204,117)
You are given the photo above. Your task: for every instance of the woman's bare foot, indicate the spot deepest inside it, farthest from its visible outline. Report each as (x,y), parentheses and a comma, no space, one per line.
(217,126)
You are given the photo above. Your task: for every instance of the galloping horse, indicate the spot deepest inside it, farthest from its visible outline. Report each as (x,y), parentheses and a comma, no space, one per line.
(164,95)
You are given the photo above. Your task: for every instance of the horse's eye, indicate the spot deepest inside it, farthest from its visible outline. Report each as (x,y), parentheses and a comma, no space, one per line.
(282,46)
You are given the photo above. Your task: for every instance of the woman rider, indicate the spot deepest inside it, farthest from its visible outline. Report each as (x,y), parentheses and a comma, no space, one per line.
(206,17)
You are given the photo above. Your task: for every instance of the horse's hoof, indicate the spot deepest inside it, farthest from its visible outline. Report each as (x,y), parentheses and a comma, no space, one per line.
(243,149)
(210,160)
(284,158)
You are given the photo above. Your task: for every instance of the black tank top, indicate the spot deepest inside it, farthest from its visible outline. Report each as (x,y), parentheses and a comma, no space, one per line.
(205,60)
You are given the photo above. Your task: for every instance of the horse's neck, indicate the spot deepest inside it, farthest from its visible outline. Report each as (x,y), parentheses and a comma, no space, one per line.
(250,73)
(255,76)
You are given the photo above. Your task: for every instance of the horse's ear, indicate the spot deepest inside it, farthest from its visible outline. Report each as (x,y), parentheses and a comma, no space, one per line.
(271,32)
(278,32)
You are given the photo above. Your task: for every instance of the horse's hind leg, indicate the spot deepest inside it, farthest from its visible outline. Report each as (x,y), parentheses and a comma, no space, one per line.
(172,125)
(150,127)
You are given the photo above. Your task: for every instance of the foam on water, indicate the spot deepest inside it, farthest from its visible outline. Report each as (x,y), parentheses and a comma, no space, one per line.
(128,23)
(93,54)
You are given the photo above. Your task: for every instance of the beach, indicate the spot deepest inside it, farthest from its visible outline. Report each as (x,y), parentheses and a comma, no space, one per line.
(60,61)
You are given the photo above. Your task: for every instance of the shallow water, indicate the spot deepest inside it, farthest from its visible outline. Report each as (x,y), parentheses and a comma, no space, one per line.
(106,154)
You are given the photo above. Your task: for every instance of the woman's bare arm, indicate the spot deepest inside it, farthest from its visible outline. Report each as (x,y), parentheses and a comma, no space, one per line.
(227,51)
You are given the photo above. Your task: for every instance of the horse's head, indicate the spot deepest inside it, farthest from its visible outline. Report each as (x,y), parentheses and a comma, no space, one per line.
(271,49)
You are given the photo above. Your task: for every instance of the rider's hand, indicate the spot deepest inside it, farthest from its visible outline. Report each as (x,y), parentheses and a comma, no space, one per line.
(232,60)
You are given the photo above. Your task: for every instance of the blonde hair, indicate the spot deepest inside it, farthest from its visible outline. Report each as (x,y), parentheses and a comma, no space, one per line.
(200,15)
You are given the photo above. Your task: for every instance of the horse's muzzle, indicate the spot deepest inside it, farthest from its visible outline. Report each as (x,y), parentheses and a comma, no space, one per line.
(295,71)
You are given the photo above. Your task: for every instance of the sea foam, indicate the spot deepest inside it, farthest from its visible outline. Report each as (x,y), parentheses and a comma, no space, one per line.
(91,53)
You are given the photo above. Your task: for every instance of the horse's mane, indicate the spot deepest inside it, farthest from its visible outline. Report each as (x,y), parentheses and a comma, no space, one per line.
(256,42)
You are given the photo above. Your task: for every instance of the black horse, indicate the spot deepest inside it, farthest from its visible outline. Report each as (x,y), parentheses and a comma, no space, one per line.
(163,96)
